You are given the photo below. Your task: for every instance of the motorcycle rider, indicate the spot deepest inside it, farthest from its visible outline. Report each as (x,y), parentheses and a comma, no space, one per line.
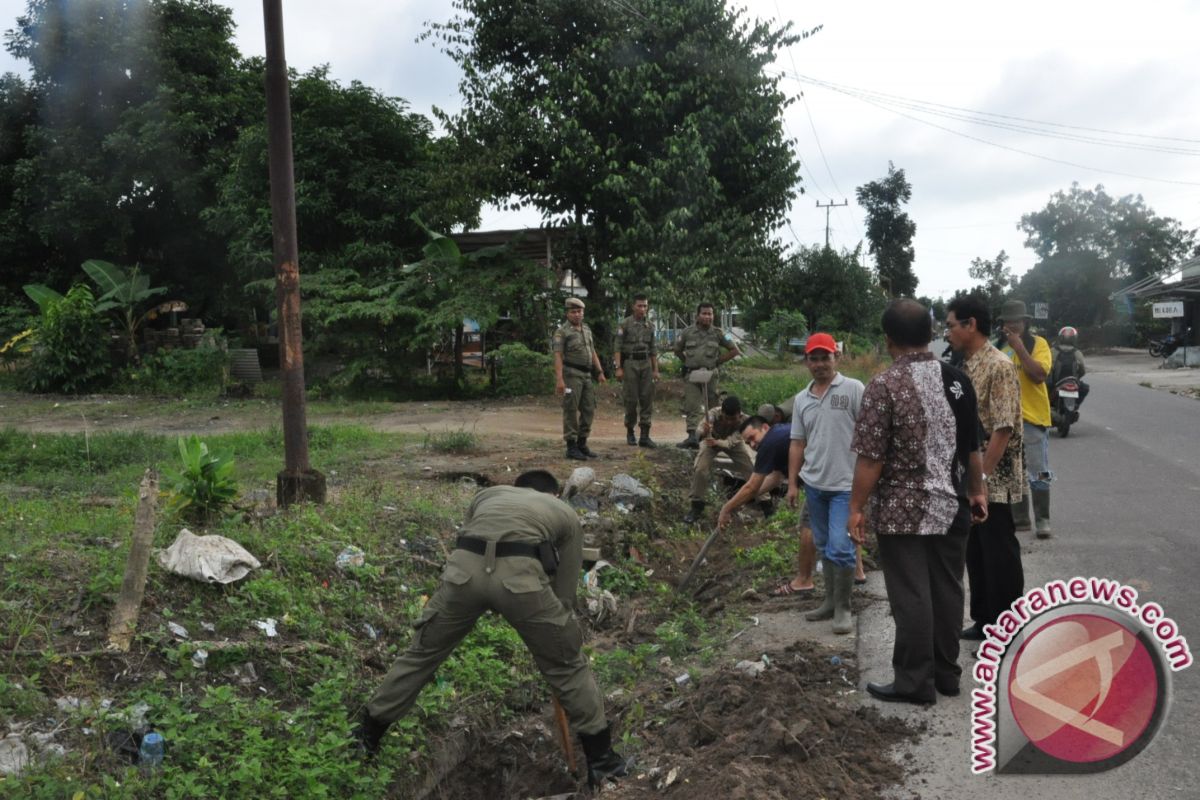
(1068,363)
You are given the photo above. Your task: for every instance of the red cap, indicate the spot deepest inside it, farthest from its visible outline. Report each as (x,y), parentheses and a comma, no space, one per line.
(820,341)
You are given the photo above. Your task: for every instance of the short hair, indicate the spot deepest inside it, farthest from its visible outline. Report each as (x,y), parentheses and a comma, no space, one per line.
(637,298)
(539,480)
(703,306)
(731,405)
(971,307)
(906,322)
(753,422)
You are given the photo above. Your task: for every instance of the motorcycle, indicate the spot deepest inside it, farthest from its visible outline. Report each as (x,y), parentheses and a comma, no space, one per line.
(1065,410)
(1164,347)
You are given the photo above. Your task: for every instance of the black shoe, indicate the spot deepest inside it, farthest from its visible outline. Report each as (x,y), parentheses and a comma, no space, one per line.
(690,443)
(645,440)
(697,511)
(947,690)
(887,693)
(767,508)
(973,634)
(583,448)
(368,734)
(630,439)
(603,763)
(574,453)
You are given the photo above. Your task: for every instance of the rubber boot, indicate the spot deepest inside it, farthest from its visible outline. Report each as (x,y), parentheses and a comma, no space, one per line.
(367,734)
(603,763)
(573,451)
(693,516)
(1020,512)
(825,610)
(583,448)
(767,508)
(691,442)
(1041,513)
(630,439)
(645,440)
(843,586)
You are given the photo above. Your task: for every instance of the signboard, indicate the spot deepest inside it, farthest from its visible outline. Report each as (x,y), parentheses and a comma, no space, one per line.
(1041,311)
(1171,308)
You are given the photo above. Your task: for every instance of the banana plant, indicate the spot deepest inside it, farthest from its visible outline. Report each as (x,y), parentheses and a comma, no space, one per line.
(124,294)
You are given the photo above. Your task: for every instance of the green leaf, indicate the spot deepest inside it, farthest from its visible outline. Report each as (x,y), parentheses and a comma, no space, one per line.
(108,276)
(42,295)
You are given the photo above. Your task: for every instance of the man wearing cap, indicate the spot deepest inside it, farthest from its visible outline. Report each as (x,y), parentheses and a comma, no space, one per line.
(518,554)
(574,360)
(719,436)
(637,369)
(1033,358)
(819,456)
(699,347)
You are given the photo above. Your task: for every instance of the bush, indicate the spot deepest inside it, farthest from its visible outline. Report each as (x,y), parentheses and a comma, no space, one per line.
(205,485)
(71,352)
(204,370)
(520,371)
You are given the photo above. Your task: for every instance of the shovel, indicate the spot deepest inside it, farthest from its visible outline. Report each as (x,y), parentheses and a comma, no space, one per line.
(564,732)
(712,537)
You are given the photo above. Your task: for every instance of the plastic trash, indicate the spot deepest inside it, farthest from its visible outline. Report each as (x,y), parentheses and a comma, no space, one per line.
(212,559)
(267,626)
(150,752)
(178,630)
(351,557)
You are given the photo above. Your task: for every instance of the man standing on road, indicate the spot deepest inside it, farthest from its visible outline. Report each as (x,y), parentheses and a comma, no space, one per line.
(518,554)
(637,369)
(1032,356)
(993,552)
(698,348)
(574,360)
(719,436)
(918,462)
(819,456)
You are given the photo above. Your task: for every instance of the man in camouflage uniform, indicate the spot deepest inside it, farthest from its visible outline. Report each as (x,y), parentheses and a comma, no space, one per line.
(574,360)
(699,347)
(637,368)
(719,434)
(519,554)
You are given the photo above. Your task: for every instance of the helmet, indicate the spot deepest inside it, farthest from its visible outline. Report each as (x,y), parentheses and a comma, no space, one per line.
(1068,334)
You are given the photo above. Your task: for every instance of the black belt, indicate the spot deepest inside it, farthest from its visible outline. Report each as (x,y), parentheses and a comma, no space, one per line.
(503,549)
(631,357)
(582,368)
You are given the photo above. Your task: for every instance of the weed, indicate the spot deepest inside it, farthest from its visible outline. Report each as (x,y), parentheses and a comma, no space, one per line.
(459,441)
(205,485)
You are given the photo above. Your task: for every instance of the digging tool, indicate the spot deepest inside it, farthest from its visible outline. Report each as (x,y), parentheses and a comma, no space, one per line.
(564,732)
(699,558)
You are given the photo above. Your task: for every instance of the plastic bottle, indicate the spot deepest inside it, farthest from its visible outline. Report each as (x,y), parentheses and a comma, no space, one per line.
(150,753)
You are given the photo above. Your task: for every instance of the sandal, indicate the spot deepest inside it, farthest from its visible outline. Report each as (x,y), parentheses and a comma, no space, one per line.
(860,581)
(786,589)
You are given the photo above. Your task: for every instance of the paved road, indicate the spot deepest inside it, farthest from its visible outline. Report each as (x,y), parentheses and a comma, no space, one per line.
(1126,506)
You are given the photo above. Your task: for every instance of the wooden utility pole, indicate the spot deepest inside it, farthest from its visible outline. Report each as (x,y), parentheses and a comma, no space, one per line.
(298,481)
(828,206)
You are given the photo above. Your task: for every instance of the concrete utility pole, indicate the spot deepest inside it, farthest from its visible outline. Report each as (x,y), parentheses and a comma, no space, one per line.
(828,206)
(297,481)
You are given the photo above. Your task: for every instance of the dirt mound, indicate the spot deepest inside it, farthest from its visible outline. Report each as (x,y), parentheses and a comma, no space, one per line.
(788,732)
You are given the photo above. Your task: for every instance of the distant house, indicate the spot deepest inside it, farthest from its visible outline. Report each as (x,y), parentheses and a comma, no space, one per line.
(1181,284)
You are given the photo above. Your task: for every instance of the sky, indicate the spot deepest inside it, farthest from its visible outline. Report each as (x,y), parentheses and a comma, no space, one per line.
(880,82)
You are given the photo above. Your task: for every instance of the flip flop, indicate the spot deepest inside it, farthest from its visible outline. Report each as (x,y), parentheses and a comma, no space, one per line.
(860,581)
(786,589)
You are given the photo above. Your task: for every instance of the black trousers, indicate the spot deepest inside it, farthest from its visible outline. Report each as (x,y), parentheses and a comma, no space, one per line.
(994,565)
(924,579)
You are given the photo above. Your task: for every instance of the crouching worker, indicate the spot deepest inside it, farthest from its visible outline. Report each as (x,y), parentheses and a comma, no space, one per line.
(519,554)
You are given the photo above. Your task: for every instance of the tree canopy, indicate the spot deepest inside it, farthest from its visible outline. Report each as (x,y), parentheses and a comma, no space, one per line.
(890,230)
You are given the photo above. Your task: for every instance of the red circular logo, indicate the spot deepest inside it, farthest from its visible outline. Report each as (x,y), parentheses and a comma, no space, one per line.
(1083,688)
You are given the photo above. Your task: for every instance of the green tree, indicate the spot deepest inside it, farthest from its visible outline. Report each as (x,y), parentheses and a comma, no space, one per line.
(890,230)
(652,128)
(830,289)
(1088,244)
(996,277)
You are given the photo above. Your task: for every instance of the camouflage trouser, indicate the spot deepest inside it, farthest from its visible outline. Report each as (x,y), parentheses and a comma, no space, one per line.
(695,404)
(578,404)
(526,602)
(638,391)
(743,464)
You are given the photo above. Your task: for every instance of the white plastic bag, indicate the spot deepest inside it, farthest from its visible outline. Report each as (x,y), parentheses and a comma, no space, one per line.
(212,559)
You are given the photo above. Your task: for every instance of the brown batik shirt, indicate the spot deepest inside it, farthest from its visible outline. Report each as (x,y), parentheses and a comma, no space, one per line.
(919,418)
(999,394)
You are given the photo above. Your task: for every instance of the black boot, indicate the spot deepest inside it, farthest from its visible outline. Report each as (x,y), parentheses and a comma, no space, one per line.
(573,451)
(767,508)
(368,734)
(645,440)
(583,448)
(691,442)
(696,513)
(603,763)
(630,439)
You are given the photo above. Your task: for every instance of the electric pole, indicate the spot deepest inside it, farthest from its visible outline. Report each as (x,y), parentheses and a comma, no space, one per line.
(828,206)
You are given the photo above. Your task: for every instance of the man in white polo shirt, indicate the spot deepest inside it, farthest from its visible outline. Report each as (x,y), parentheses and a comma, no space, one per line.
(822,430)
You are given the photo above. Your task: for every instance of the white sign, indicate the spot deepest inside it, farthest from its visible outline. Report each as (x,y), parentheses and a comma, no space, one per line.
(1173,308)
(1041,311)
